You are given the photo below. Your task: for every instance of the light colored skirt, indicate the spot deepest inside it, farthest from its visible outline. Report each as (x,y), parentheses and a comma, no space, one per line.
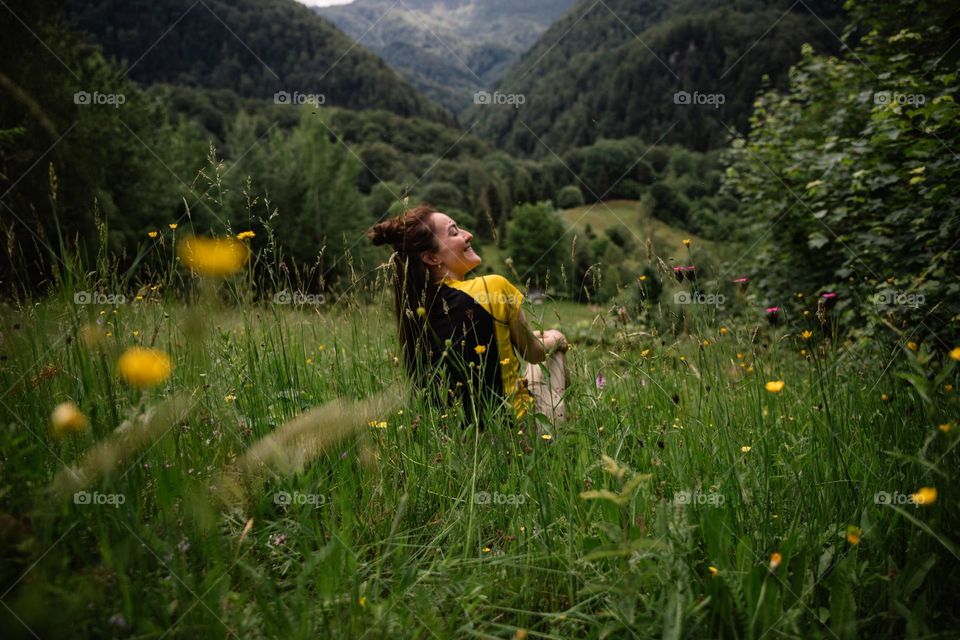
(547,382)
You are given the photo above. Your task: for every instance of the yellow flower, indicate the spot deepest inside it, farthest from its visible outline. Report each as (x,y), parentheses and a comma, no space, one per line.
(214,257)
(172,225)
(547,436)
(853,534)
(321,347)
(775,386)
(362,601)
(143,368)
(945,427)
(246,235)
(912,346)
(152,234)
(505,362)
(739,356)
(642,278)
(309,360)
(421,311)
(230,398)
(775,559)
(706,343)
(750,369)
(803,352)
(745,448)
(806,335)
(713,571)
(687,243)
(136,333)
(382,424)
(479,349)
(955,353)
(486,549)
(520,634)
(884,397)
(723,331)
(645,353)
(948,387)
(925,496)
(67,418)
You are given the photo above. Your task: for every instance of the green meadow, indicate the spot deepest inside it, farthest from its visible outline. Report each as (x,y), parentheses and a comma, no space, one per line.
(686,497)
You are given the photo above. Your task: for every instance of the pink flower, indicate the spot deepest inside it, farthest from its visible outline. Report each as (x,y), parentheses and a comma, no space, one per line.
(601,381)
(773,315)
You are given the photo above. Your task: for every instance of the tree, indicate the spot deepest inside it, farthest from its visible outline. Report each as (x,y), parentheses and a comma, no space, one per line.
(535,238)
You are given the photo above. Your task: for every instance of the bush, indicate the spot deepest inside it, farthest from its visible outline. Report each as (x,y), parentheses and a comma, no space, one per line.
(569,197)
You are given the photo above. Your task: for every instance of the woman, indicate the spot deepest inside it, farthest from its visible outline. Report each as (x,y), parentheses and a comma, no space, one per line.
(467,336)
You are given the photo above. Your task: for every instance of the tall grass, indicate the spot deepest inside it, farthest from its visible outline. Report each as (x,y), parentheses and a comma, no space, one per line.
(682,499)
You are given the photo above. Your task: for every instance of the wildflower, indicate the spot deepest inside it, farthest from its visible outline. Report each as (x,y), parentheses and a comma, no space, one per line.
(601,381)
(803,352)
(829,299)
(362,601)
(321,347)
(853,535)
(152,234)
(773,315)
(246,235)
(884,397)
(912,346)
(745,448)
(946,387)
(67,418)
(955,353)
(645,353)
(520,634)
(723,331)
(480,349)
(945,427)
(642,278)
(505,362)
(486,549)
(742,283)
(687,243)
(925,496)
(142,367)
(382,424)
(214,257)
(775,386)
(172,225)
(775,559)
(739,356)
(421,311)
(546,436)
(713,571)
(807,334)
(229,398)
(309,360)
(706,343)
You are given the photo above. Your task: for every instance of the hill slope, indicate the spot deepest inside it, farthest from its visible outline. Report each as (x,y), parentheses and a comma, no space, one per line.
(610,70)
(448,49)
(255,48)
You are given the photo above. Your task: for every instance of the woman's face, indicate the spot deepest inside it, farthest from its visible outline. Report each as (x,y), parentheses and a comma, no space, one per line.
(455,254)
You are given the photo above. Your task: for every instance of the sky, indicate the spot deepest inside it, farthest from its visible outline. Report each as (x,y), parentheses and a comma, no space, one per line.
(324,3)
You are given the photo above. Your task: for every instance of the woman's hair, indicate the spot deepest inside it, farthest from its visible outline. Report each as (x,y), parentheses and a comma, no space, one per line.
(410,234)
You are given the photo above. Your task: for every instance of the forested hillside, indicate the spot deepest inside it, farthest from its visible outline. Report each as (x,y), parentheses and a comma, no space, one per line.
(612,70)
(255,48)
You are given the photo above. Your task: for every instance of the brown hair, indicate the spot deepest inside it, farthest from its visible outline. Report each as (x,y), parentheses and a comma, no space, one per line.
(410,234)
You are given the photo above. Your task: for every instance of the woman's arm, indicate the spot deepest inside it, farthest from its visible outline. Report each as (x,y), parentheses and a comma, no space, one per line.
(534,347)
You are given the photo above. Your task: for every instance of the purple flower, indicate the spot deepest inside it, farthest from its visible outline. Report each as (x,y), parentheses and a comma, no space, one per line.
(829,299)
(601,381)
(773,315)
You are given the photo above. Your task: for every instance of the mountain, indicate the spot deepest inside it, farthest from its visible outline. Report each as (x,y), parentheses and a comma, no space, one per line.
(448,49)
(614,69)
(254,48)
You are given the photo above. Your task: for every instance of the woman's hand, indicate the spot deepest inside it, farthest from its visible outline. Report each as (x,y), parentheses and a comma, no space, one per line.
(553,340)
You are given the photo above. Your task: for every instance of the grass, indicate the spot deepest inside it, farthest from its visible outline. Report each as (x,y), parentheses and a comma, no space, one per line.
(683,499)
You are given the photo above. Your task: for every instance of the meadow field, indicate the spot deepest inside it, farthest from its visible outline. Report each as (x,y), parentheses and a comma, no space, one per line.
(721,476)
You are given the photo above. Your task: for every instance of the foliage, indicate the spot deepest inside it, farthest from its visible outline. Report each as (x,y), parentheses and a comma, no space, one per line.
(848,177)
(534,242)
